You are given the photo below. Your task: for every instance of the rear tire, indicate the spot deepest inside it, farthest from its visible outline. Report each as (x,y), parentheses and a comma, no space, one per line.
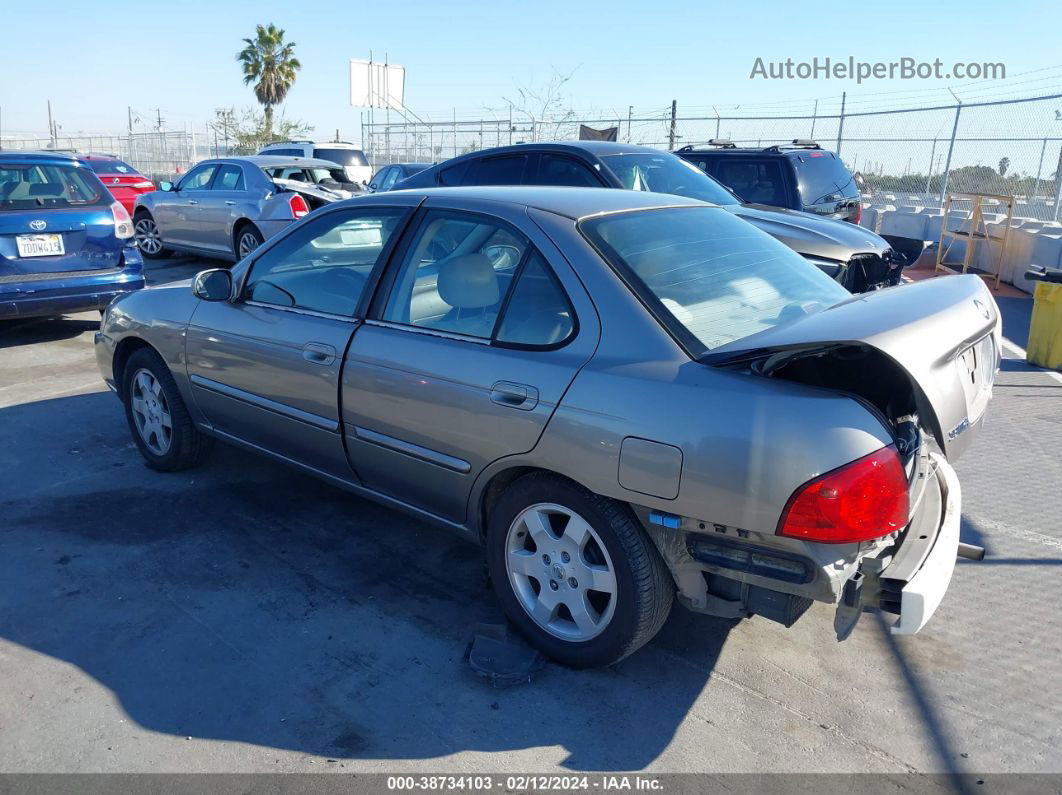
(158,419)
(248,238)
(146,234)
(575,572)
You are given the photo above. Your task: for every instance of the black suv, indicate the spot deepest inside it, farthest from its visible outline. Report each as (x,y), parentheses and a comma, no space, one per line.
(799,176)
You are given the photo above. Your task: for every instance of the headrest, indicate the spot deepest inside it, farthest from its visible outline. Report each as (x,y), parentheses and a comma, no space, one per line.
(468,281)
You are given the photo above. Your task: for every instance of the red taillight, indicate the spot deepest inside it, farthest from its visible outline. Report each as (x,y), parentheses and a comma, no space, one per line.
(298,205)
(859,213)
(860,501)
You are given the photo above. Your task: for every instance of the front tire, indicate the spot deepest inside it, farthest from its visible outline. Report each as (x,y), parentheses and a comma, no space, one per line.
(160,423)
(575,572)
(148,240)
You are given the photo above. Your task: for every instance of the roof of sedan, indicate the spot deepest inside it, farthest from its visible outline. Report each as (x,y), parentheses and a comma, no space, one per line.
(569,202)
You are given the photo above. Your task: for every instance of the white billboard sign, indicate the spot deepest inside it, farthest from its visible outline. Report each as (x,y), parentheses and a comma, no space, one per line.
(377,85)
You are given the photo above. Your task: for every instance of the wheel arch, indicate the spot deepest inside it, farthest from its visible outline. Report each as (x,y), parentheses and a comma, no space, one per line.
(496,483)
(122,353)
(237,228)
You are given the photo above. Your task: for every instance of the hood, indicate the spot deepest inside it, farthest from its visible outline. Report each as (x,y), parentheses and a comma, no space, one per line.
(812,235)
(945,334)
(317,191)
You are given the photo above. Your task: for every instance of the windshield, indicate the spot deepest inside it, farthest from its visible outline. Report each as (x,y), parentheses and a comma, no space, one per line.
(665,173)
(710,276)
(28,187)
(345,157)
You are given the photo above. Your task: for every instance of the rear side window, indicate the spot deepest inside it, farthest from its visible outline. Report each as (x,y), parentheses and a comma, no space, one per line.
(111,167)
(455,175)
(229,178)
(538,313)
(498,171)
(756,181)
(822,175)
(555,170)
(345,157)
(27,187)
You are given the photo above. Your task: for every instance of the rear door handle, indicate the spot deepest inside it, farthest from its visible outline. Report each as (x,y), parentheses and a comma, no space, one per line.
(230,202)
(193,201)
(514,396)
(318,353)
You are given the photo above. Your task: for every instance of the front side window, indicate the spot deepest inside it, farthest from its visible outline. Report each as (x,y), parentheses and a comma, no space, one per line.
(229,178)
(199,178)
(390,179)
(710,276)
(325,265)
(455,274)
(30,187)
(666,173)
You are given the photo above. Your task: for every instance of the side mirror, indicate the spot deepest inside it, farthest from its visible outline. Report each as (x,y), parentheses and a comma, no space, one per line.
(166,186)
(213,285)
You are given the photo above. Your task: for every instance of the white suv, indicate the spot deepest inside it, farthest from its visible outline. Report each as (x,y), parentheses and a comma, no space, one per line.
(343,153)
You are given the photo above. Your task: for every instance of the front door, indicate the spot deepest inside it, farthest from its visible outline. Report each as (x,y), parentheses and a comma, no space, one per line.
(265,366)
(471,343)
(177,211)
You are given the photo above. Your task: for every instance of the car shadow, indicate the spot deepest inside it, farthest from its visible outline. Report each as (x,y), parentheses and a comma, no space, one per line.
(30,331)
(246,602)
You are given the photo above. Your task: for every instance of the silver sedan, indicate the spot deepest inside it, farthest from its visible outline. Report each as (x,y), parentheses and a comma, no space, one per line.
(226,208)
(625,397)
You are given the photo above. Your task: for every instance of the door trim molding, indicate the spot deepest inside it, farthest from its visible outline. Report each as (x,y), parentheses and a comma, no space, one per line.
(265,403)
(426,454)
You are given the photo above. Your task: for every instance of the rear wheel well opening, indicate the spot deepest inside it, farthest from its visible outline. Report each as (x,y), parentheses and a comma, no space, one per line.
(122,352)
(238,228)
(497,486)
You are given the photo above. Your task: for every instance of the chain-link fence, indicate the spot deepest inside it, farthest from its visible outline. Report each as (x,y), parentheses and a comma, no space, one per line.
(906,157)
(158,155)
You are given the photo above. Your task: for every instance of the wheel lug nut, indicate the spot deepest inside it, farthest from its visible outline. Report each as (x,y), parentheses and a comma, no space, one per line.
(553,585)
(565,557)
(546,560)
(573,582)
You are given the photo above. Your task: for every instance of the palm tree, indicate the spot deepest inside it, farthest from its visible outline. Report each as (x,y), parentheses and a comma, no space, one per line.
(269,62)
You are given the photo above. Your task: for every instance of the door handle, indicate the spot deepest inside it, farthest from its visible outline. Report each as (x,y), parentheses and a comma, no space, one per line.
(193,201)
(230,202)
(318,353)
(514,396)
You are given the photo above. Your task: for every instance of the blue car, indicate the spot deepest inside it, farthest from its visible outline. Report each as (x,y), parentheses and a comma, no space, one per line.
(65,244)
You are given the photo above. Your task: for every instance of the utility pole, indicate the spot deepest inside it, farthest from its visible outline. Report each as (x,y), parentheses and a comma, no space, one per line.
(671,133)
(814,118)
(630,112)
(840,124)
(51,125)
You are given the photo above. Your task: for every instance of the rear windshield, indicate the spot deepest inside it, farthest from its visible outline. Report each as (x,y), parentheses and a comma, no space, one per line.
(711,277)
(111,167)
(27,187)
(345,157)
(666,173)
(822,174)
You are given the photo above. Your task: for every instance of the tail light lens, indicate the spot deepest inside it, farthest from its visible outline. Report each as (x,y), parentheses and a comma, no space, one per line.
(123,224)
(860,501)
(144,185)
(298,205)
(859,213)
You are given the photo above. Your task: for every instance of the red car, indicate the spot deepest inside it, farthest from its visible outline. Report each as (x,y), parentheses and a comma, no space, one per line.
(123,181)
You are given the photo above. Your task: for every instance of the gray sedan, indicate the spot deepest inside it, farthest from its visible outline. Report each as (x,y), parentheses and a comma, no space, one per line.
(626,397)
(227,207)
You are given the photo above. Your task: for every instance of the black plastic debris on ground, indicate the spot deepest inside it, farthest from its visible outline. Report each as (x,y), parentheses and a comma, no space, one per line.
(502,657)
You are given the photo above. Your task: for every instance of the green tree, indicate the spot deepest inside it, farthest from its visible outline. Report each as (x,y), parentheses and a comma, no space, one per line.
(1004,164)
(270,63)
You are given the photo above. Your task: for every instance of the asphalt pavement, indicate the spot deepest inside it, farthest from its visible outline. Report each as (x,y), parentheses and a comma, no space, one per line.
(245,617)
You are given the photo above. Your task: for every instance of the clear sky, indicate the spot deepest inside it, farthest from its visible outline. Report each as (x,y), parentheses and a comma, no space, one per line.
(93,60)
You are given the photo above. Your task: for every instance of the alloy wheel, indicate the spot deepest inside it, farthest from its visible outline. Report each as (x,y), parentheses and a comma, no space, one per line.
(248,243)
(151,412)
(147,236)
(561,572)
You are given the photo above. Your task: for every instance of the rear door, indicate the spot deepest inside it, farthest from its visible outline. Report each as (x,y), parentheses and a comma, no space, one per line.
(475,335)
(217,206)
(756,180)
(265,367)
